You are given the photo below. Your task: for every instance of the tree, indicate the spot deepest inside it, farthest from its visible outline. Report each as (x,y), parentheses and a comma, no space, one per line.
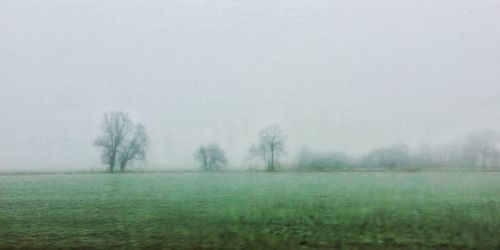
(322,161)
(270,147)
(446,155)
(480,149)
(134,147)
(121,141)
(393,157)
(423,157)
(211,157)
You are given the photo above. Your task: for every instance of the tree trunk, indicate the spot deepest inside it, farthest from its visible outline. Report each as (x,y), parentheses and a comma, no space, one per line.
(272,160)
(112,161)
(123,164)
(111,165)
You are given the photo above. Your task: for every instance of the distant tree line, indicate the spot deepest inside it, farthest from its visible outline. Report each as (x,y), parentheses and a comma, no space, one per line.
(122,142)
(323,161)
(476,150)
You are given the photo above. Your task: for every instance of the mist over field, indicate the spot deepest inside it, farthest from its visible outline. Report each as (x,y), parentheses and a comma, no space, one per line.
(345,76)
(231,124)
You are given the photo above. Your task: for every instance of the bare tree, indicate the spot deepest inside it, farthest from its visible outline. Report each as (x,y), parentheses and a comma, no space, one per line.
(120,141)
(134,147)
(201,156)
(270,147)
(116,126)
(211,157)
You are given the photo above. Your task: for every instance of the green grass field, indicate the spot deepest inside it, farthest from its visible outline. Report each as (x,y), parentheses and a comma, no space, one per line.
(240,210)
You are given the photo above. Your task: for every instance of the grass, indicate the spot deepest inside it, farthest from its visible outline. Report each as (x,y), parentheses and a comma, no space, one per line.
(251,211)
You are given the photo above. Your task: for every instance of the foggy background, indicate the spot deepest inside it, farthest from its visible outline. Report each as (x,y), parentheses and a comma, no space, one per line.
(334,75)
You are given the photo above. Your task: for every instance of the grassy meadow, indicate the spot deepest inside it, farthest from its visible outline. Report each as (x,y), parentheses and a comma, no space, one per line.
(239,210)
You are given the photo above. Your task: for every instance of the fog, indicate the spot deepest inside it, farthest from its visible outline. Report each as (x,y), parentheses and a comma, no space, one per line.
(334,75)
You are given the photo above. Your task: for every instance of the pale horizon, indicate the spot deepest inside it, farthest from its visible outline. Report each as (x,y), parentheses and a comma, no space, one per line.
(335,76)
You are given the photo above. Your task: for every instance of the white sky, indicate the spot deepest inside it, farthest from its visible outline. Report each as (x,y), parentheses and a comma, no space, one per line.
(335,75)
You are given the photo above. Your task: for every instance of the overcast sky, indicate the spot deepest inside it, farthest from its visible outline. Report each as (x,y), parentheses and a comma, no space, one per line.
(334,75)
